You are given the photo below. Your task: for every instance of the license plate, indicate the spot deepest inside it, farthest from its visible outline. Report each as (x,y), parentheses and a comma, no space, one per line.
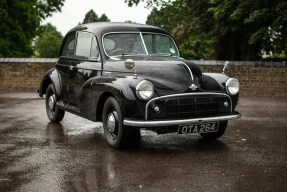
(198,128)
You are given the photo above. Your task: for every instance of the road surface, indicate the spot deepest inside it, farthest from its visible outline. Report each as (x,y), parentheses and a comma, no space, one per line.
(36,155)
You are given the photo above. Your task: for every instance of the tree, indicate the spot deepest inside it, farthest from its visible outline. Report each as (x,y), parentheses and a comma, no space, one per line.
(104,18)
(181,19)
(250,26)
(224,29)
(19,24)
(91,17)
(48,42)
(150,3)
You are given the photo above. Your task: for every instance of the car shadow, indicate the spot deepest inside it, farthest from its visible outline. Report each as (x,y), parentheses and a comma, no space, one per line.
(150,143)
(153,143)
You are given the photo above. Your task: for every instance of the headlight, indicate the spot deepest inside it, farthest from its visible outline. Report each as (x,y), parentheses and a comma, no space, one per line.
(144,90)
(232,86)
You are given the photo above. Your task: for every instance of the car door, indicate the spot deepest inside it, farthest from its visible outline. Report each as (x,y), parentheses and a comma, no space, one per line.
(65,63)
(78,70)
(88,66)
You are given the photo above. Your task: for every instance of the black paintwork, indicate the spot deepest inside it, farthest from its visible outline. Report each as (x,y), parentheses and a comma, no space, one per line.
(82,85)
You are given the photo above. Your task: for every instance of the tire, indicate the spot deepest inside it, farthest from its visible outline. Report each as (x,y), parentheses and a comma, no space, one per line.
(117,135)
(215,135)
(54,113)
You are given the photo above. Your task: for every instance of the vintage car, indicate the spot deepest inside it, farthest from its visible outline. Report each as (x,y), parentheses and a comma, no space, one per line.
(131,77)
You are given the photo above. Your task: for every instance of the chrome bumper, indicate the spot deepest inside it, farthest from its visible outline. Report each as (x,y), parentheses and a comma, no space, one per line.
(162,123)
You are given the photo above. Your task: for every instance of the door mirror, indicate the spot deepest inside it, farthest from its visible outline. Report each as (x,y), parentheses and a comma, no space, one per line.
(129,64)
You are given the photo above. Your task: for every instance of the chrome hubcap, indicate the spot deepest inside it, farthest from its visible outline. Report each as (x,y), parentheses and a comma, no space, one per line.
(111,122)
(52,102)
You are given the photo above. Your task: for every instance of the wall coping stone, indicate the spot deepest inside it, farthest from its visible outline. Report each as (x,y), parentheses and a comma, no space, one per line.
(28,60)
(263,64)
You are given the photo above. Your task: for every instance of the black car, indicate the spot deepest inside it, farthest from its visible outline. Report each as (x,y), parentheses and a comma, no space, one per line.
(131,77)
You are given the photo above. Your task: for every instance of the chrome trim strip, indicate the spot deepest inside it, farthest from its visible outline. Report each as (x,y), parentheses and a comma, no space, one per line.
(144,43)
(160,123)
(184,94)
(192,78)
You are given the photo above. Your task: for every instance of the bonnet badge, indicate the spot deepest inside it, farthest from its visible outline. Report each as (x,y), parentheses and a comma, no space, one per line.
(193,87)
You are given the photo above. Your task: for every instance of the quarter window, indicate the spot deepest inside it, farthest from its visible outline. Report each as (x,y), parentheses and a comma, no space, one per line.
(94,49)
(69,46)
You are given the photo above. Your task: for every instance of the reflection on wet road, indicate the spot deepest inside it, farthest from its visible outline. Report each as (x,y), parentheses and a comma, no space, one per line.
(36,155)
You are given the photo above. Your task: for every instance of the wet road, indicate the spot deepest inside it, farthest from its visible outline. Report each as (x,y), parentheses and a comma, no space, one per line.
(36,155)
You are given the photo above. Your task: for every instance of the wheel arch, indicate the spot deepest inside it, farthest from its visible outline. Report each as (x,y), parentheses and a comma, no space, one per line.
(216,82)
(125,102)
(121,89)
(50,77)
(101,103)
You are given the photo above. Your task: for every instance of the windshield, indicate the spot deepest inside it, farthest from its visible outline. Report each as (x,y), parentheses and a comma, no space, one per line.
(133,44)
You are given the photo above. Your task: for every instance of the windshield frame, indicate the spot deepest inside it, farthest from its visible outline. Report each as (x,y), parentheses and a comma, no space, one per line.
(143,42)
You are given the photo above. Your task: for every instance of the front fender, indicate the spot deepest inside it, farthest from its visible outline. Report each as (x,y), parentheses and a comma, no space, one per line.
(50,77)
(216,82)
(123,89)
(118,87)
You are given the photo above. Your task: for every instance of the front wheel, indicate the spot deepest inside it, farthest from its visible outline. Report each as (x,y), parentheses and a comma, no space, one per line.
(118,135)
(54,113)
(214,135)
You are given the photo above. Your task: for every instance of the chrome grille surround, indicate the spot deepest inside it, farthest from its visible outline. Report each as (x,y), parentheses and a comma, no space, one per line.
(192,95)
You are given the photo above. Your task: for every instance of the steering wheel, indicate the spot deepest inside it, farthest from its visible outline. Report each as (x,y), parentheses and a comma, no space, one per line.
(117,52)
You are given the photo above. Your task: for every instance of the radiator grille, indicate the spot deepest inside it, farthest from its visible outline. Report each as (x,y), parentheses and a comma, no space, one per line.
(190,106)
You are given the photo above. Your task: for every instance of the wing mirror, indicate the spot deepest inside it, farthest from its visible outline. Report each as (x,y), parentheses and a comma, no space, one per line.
(226,66)
(130,64)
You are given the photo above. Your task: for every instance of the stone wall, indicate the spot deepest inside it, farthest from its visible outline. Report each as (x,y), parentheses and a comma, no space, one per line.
(23,74)
(256,78)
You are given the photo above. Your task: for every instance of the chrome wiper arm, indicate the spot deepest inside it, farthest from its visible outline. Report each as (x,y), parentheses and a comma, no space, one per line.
(161,54)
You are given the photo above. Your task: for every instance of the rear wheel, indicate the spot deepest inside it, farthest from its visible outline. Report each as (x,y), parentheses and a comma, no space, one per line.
(54,113)
(214,135)
(117,135)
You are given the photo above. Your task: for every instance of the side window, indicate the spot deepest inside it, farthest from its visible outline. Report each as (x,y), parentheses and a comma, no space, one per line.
(69,46)
(83,45)
(87,47)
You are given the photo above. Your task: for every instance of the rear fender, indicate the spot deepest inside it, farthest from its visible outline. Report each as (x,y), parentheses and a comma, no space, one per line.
(50,77)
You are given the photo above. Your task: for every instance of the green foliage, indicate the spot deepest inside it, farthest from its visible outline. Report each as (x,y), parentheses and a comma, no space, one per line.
(17,28)
(150,3)
(104,18)
(181,19)
(19,23)
(47,7)
(91,17)
(48,43)
(250,26)
(223,29)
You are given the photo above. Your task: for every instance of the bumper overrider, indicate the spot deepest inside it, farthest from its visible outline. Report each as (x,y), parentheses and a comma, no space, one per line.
(147,123)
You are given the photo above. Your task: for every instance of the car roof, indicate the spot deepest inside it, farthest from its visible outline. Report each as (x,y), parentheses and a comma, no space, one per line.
(100,28)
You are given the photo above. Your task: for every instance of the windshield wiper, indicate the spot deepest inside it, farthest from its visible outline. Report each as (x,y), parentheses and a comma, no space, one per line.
(162,54)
